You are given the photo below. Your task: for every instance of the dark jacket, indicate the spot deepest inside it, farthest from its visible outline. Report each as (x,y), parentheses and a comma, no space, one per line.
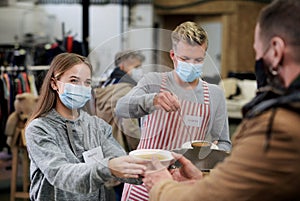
(119,76)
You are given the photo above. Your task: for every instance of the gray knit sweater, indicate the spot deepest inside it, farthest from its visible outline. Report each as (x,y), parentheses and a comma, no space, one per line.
(57,169)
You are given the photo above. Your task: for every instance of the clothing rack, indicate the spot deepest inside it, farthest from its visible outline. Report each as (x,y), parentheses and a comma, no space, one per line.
(11,68)
(15,80)
(16,77)
(35,68)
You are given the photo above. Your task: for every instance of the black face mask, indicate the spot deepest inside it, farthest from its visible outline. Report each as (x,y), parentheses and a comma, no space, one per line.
(260,73)
(265,77)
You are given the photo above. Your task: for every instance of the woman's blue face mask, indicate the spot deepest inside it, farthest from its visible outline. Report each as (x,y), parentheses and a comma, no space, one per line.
(75,96)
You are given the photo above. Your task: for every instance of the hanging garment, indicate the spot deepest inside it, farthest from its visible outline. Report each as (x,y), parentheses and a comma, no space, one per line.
(169,130)
(9,92)
(3,113)
(69,45)
(32,85)
(25,82)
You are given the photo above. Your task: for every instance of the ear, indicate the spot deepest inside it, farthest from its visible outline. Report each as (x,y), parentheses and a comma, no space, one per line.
(278,47)
(172,54)
(122,66)
(53,85)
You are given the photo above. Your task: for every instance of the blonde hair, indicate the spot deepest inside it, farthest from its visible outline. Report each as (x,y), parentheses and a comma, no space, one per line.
(191,33)
(59,65)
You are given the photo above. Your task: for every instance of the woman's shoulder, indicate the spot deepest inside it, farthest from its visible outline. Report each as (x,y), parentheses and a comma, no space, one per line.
(40,121)
(86,117)
(42,126)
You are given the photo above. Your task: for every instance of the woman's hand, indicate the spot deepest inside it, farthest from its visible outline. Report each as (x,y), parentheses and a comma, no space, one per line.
(188,171)
(127,167)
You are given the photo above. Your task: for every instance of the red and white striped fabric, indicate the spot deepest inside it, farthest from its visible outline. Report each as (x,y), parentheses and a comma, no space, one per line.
(166,130)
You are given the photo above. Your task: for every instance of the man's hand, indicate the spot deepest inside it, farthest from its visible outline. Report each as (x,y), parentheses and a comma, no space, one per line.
(154,176)
(166,101)
(188,171)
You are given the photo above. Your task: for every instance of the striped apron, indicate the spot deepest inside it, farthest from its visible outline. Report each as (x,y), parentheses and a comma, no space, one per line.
(169,130)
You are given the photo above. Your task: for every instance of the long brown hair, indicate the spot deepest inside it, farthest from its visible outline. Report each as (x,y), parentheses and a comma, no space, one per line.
(59,65)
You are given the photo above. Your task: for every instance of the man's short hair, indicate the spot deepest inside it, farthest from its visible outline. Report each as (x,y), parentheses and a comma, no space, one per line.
(281,18)
(128,54)
(191,33)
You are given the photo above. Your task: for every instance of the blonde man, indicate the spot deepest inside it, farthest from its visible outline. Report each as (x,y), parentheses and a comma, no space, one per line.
(177,106)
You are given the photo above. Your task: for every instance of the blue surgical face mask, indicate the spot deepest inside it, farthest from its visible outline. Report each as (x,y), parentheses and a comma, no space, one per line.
(75,96)
(189,72)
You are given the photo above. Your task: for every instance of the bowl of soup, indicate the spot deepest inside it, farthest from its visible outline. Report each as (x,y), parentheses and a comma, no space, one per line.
(164,156)
(200,143)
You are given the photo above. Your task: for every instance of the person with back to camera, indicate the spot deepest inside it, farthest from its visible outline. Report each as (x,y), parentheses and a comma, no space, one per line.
(265,160)
(72,154)
(177,106)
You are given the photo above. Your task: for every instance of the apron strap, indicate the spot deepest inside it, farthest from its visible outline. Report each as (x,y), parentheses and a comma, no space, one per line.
(205,92)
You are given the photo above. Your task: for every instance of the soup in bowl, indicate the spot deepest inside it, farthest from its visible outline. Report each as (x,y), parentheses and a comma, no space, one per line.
(201,144)
(164,156)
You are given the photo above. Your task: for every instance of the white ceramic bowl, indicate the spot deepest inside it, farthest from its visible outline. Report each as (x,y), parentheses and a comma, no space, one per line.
(164,156)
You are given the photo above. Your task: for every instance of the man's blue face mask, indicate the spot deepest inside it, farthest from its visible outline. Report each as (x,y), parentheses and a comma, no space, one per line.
(189,72)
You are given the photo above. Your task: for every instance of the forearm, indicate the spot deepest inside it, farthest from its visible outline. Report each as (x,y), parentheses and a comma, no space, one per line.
(224,142)
(224,145)
(139,100)
(65,175)
(219,123)
(59,165)
(92,176)
(135,106)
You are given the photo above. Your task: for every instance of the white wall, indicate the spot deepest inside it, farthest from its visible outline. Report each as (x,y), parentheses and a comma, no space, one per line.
(68,14)
(212,65)
(121,35)
(23,18)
